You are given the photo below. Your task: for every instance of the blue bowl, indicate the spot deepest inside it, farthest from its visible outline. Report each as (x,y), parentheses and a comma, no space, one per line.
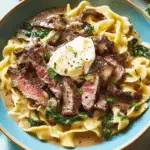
(26,9)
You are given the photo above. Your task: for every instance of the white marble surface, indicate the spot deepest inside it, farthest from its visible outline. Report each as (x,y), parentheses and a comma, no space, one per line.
(143,143)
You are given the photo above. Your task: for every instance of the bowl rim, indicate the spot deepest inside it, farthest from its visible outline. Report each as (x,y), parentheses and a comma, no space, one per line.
(18,143)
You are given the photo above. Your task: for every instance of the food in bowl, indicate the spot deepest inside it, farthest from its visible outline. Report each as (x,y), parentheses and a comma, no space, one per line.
(75,77)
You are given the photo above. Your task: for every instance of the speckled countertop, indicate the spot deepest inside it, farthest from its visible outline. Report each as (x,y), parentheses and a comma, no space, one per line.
(143,143)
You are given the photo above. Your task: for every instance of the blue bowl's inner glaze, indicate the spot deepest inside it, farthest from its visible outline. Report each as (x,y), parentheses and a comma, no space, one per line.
(28,9)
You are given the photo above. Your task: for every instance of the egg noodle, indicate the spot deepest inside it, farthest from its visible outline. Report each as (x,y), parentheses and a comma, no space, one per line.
(117,29)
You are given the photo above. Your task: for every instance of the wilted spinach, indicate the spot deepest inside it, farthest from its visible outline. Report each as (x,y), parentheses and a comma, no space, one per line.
(53,114)
(28,31)
(140,50)
(107,125)
(34,123)
(41,33)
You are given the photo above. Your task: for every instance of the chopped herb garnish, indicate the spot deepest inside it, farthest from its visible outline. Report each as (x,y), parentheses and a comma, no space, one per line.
(134,104)
(78,67)
(41,33)
(56,36)
(66,71)
(110,99)
(90,29)
(53,114)
(136,72)
(34,123)
(122,117)
(75,54)
(148,9)
(47,55)
(137,108)
(128,74)
(79,90)
(83,76)
(53,74)
(55,65)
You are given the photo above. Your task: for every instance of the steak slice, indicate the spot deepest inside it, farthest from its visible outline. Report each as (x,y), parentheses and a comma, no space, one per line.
(115,92)
(103,68)
(55,21)
(35,56)
(90,90)
(43,75)
(119,71)
(71,98)
(101,103)
(91,12)
(29,90)
(103,45)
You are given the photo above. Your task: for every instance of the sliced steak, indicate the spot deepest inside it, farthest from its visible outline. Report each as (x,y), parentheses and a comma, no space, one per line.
(90,90)
(71,98)
(35,56)
(115,92)
(103,45)
(29,90)
(103,68)
(101,103)
(119,71)
(82,28)
(43,75)
(91,12)
(55,21)
(67,36)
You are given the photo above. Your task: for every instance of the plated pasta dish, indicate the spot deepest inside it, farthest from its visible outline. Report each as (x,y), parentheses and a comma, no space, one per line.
(75,76)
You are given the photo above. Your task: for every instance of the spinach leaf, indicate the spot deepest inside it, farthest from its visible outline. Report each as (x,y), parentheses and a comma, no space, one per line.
(140,50)
(107,124)
(41,33)
(52,73)
(110,99)
(26,26)
(34,123)
(79,91)
(28,31)
(53,114)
